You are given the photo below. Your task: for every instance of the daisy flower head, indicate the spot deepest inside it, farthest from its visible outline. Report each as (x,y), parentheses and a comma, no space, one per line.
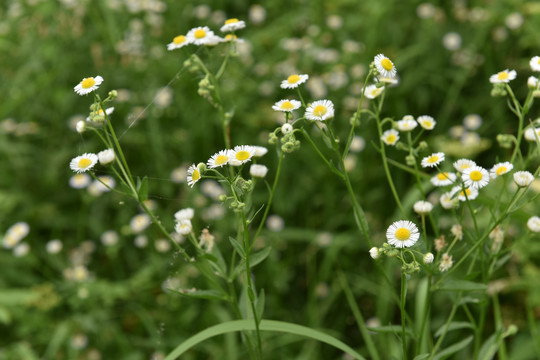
(523,178)
(428,258)
(390,137)
(531,134)
(472,121)
(475,177)
(219,159)
(407,123)
(259,151)
(294,81)
(385,66)
(433,159)
(139,223)
(535,63)
(83,162)
(201,35)
(504,76)
(448,201)
(402,234)
(80,181)
(374,253)
(233,25)
(286,129)
(178,42)
(426,122)
(87,85)
(532,82)
(258,170)
(286,105)
(469,193)
(500,169)
(372,91)
(534,224)
(241,154)
(193,175)
(422,207)
(320,110)
(463,164)
(183,227)
(106,156)
(443,179)
(183,214)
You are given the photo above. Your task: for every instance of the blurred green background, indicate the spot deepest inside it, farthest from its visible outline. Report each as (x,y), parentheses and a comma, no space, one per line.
(444,51)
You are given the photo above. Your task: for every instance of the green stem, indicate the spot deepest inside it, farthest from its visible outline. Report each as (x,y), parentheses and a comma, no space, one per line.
(402,308)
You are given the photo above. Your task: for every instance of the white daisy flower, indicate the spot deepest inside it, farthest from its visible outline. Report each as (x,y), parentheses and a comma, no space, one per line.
(83,162)
(259,151)
(241,154)
(444,179)
(422,207)
(390,137)
(54,246)
(106,156)
(535,63)
(193,175)
(232,38)
(140,241)
(374,253)
(531,134)
(407,123)
(504,76)
(392,82)
(472,121)
(385,66)
(98,115)
(523,178)
(320,110)
(286,105)
(427,122)
(80,127)
(80,181)
(178,42)
(183,227)
(469,193)
(448,201)
(294,81)
(428,258)
(475,177)
(87,85)
(433,160)
(358,144)
(219,159)
(109,238)
(258,171)
(532,82)
(463,164)
(184,214)
(201,35)
(139,223)
(21,249)
(534,224)
(402,233)
(372,91)
(233,25)
(286,129)
(500,169)
(103,183)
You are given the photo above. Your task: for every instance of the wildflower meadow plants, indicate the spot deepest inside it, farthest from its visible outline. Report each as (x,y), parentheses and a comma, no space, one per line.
(257,207)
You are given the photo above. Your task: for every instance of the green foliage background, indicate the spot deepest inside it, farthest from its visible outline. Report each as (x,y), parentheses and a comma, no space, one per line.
(47,47)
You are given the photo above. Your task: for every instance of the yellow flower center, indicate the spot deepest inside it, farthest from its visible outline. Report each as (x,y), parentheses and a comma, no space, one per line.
(467,191)
(84,163)
(503,75)
(200,33)
(319,110)
(242,155)
(287,105)
(433,159)
(501,170)
(403,234)
(387,64)
(538,61)
(475,175)
(293,79)
(442,176)
(179,39)
(231,21)
(231,37)
(391,138)
(87,83)
(221,159)
(196,175)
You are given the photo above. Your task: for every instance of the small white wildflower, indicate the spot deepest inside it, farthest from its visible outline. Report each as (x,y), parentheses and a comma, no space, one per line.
(201,35)
(286,105)
(184,214)
(390,137)
(54,246)
(472,121)
(475,177)
(500,169)
(257,170)
(504,76)
(447,200)
(83,162)
(374,252)
(106,156)
(463,164)
(426,122)
(422,207)
(183,227)
(385,66)
(534,224)
(523,178)
(320,110)
(402,234)
(372,91)
(444,179)
(139,223)
(407,123)
(535,63)
(428,258)
(109,238)
(87,85)
(233,25)
(178,42)
(21,249)
(433,160)
(446,262)
(286,129)
(294,81)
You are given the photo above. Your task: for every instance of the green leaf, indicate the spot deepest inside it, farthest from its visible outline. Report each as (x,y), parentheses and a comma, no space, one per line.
(254,260)
(16,297)
(462,285)
(142,188)
(493,343)
(259,305)
(265,325)
(238,247)
(454,326)
(421,356)
(201,294)
(58,338)
(394,329)
(454,348)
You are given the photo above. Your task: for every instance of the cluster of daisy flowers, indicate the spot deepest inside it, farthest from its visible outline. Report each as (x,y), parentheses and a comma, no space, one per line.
(406,124)
(237,156)
(469,178)
(203,36)
(14,236)
(87,161)
(500,79)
